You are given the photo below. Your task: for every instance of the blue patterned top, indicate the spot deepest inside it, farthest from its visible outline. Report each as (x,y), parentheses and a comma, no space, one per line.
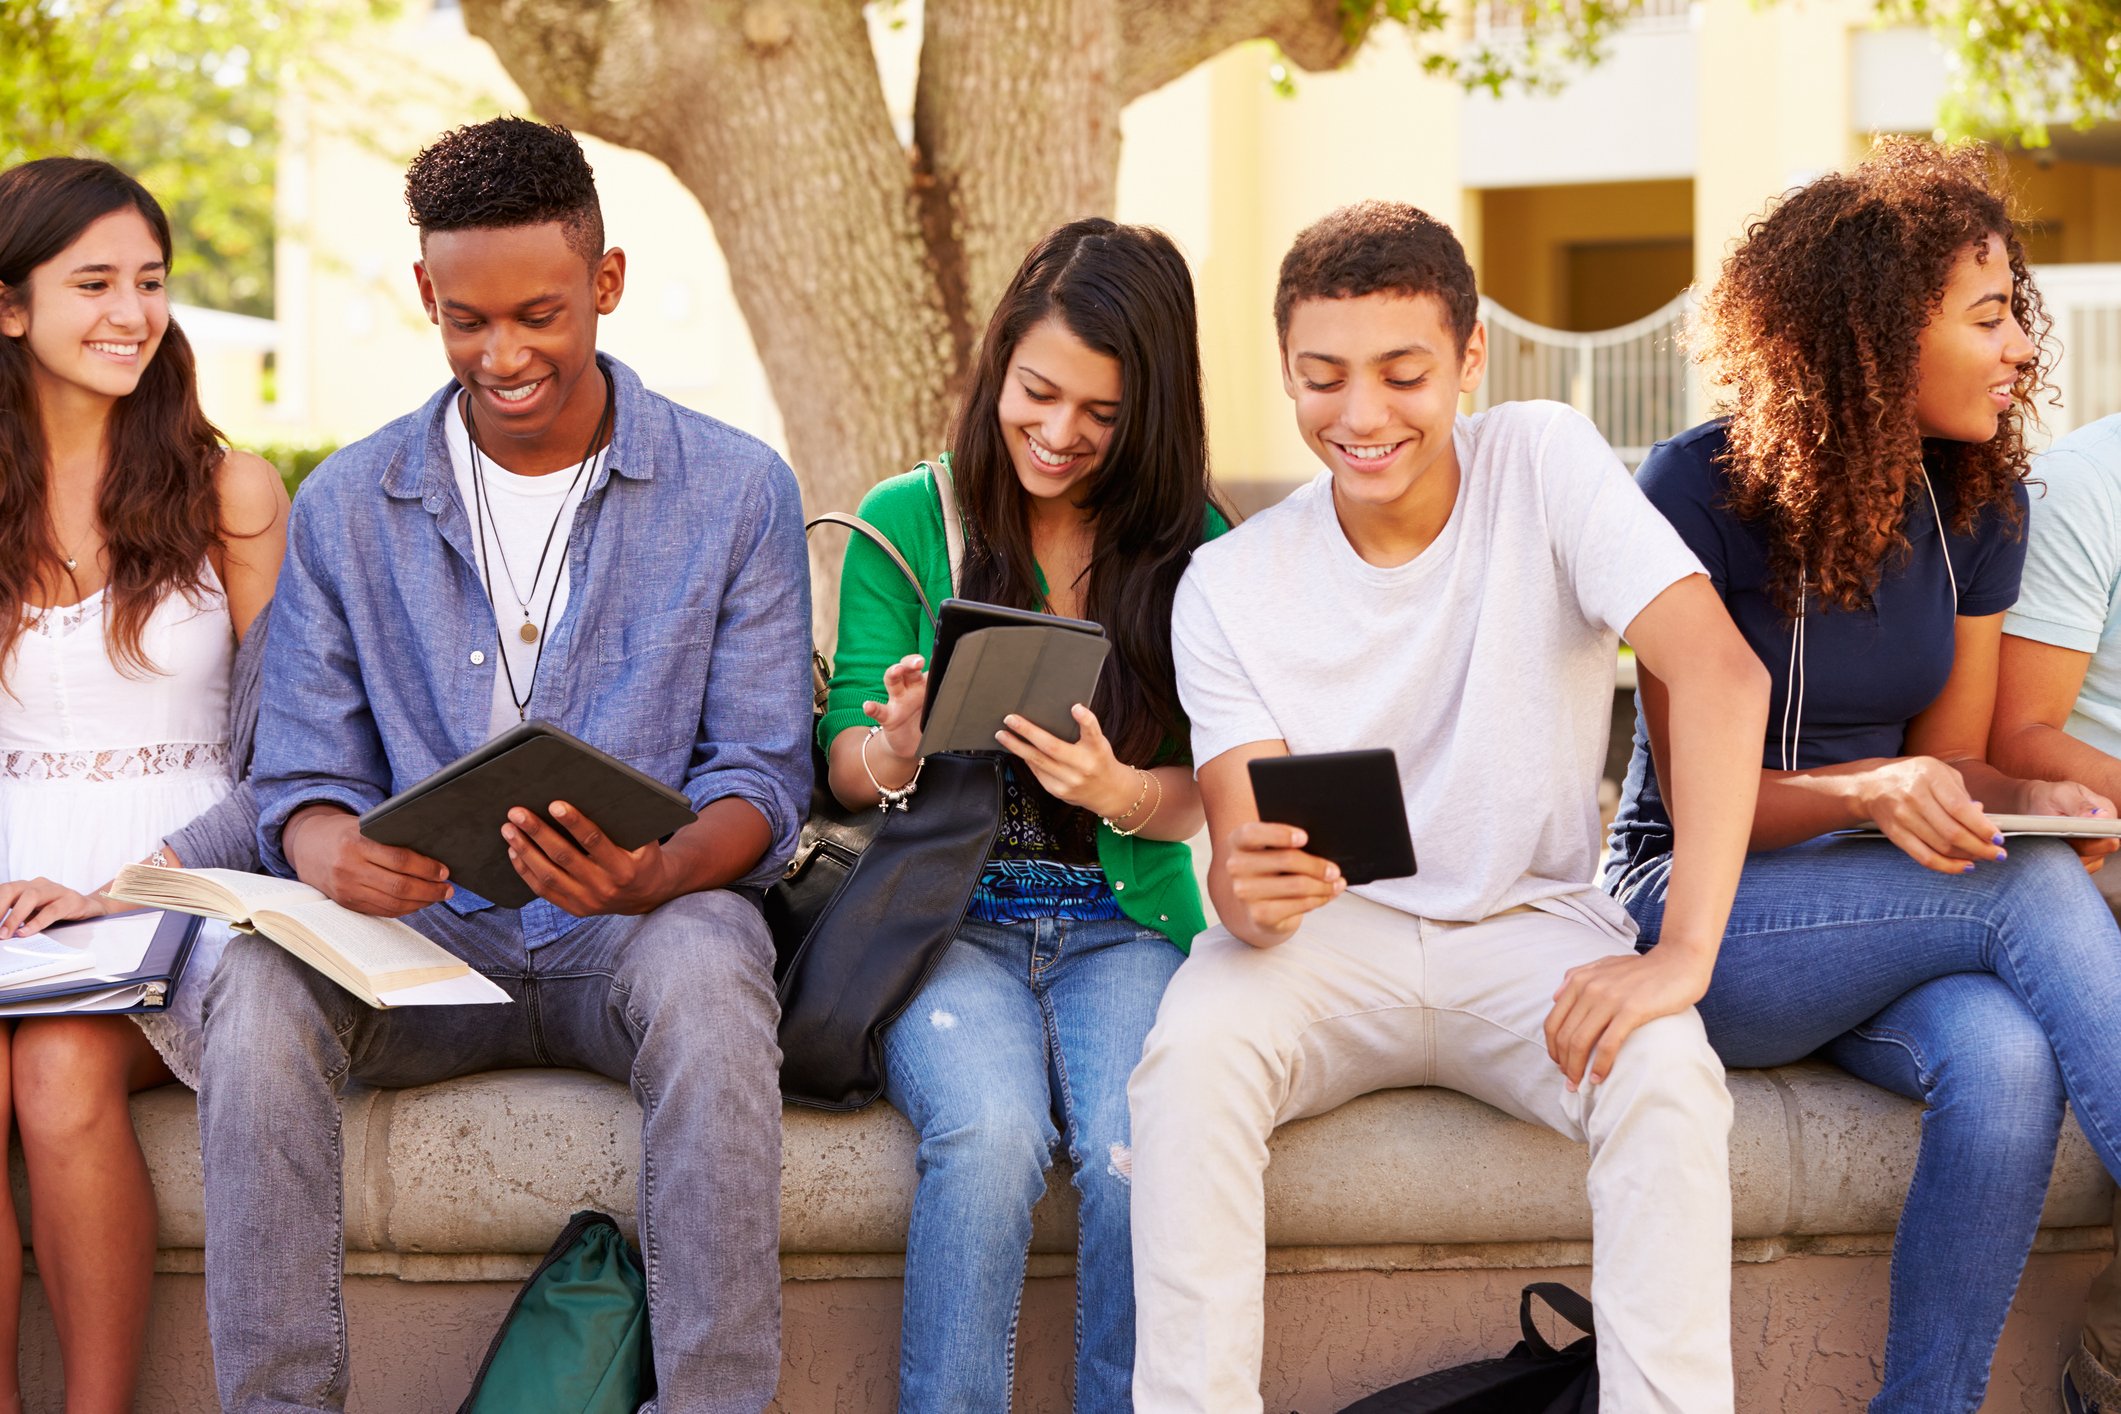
(1044,862)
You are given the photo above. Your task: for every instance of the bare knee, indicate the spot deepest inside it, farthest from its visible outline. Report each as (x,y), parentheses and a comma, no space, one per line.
(74,1075)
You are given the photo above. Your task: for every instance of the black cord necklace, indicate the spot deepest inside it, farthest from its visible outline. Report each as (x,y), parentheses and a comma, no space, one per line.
(482,509)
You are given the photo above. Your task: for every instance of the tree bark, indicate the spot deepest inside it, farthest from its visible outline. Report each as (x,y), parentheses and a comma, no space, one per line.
(866,269)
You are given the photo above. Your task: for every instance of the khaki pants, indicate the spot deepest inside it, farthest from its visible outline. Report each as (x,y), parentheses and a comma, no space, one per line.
(1367,998)
(2102,1316)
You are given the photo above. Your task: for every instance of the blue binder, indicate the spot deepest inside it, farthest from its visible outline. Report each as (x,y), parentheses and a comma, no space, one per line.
(155,978)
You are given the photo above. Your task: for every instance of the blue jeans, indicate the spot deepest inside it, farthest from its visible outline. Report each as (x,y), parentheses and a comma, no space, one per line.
(1020,1022)
(1991,997)
(678,1003)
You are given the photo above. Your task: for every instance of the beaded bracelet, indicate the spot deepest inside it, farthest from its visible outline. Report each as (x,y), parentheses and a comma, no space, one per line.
(886,797)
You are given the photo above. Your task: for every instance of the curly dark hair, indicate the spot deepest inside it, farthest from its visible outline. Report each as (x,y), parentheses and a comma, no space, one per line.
(1378,247)
(506,172)
(1813,334)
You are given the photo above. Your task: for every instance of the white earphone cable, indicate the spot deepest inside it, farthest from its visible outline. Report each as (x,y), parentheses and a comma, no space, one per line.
(1793,691)
(1943,545)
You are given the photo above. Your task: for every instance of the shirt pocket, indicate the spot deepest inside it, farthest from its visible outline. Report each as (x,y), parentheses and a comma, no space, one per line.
(655,680)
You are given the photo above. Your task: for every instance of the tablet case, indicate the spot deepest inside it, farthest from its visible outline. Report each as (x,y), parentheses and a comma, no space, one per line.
(167,955)
(991,661)
(1348,803)
(456,814)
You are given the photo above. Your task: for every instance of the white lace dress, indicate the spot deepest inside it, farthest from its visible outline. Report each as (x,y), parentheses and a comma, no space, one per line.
(99,765)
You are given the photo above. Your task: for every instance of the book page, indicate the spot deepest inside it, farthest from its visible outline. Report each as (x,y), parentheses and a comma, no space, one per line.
(472,989)
(228,894)
(385,951)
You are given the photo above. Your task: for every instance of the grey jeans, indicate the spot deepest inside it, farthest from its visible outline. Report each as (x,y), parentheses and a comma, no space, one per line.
(678,1003)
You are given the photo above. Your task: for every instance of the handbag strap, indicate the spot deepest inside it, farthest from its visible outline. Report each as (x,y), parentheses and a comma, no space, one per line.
(876,537)
(953,520)
(1564,1302)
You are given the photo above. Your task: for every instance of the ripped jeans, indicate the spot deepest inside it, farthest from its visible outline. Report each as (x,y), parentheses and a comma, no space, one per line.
(1021,1024)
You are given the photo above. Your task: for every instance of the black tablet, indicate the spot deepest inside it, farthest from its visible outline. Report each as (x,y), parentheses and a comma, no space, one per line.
(990,661)
(456,814)
(1348,803)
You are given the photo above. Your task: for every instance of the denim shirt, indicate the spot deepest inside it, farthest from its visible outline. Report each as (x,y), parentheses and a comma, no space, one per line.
(684,648)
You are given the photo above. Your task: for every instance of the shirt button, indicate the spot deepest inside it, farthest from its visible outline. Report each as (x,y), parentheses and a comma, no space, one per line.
(1163,918)
(1119,884)
(477,657)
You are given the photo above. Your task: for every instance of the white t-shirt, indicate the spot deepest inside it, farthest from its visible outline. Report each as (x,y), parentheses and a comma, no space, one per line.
(2071,594)
(1486,662)
(519,513)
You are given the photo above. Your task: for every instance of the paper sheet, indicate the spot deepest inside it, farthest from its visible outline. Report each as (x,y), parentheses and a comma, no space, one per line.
(101,947)
(110,999)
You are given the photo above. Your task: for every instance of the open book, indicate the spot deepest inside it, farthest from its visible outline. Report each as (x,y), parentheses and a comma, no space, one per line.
(380,960)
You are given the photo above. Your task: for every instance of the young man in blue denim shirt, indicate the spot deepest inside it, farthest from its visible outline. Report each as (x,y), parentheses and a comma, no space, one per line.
(665,618)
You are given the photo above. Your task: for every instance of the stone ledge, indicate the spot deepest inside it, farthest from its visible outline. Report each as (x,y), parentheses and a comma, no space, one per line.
(469,1179)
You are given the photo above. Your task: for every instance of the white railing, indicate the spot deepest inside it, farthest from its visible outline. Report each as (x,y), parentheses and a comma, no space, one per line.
(2085,303)
(1636,383)
(1633,381)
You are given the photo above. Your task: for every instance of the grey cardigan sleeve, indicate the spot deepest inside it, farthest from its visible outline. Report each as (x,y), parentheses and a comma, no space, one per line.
(226,835)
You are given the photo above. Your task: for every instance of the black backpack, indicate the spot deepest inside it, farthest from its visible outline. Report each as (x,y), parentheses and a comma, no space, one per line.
(1534,1378)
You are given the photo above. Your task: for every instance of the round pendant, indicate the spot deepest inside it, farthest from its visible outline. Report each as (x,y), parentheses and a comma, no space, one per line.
(528,632)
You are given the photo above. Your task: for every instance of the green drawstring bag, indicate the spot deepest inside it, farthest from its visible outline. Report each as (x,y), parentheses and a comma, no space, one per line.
(576,1339)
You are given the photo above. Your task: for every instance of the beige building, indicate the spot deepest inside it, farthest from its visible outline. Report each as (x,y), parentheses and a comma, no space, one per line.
(1588,210)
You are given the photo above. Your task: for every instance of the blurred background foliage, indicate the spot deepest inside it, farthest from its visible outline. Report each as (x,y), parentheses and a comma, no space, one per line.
(183,94)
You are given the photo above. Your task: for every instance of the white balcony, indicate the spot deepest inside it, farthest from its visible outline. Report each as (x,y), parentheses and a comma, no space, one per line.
(1629,118)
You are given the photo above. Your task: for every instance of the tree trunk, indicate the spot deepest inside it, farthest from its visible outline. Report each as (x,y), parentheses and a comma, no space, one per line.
(866,270)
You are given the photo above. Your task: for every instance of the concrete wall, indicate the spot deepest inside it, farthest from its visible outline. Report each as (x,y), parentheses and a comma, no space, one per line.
(1399,1228)
(1810,1329)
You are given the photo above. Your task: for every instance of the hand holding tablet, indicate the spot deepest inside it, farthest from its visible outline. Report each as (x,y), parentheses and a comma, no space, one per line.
(456,814)
(991,662)
(1348,804)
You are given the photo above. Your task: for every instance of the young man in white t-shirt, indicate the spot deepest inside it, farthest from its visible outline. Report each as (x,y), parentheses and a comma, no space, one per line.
(2058,717)
(1451,587)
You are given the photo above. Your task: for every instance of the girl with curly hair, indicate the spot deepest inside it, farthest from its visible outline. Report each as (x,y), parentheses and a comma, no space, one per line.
(1861,510)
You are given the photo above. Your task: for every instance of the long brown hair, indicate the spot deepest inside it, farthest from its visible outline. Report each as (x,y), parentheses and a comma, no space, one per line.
(1126,293)
(156,503)
(1814,331)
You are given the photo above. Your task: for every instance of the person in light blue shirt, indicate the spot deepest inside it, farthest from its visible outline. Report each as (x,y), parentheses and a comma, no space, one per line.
(2071,597)
(2058,714)
(544,538)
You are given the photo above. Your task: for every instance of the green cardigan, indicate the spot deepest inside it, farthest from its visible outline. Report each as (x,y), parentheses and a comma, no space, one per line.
(880,622)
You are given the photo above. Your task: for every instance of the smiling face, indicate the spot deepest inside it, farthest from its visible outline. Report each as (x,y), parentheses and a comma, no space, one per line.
(1376,380)
(93,315)
(1971,350)
(518,309)
(1058,404)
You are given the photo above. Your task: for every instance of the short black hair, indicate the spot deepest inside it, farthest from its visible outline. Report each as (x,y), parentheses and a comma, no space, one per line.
(1379,247)
(507,172)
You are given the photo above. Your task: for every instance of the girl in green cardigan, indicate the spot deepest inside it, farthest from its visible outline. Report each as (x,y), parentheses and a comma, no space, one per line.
(1081,472)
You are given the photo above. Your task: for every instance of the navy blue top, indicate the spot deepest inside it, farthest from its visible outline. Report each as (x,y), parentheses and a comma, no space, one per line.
(1867,673)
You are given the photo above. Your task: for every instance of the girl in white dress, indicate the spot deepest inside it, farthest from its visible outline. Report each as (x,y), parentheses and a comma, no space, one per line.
(136,551)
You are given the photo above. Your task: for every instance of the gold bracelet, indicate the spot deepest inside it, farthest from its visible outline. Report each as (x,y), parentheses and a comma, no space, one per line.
(1112,823)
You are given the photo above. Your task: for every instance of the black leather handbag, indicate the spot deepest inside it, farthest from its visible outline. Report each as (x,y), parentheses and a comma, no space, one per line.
(871,900)
(1534,1378)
